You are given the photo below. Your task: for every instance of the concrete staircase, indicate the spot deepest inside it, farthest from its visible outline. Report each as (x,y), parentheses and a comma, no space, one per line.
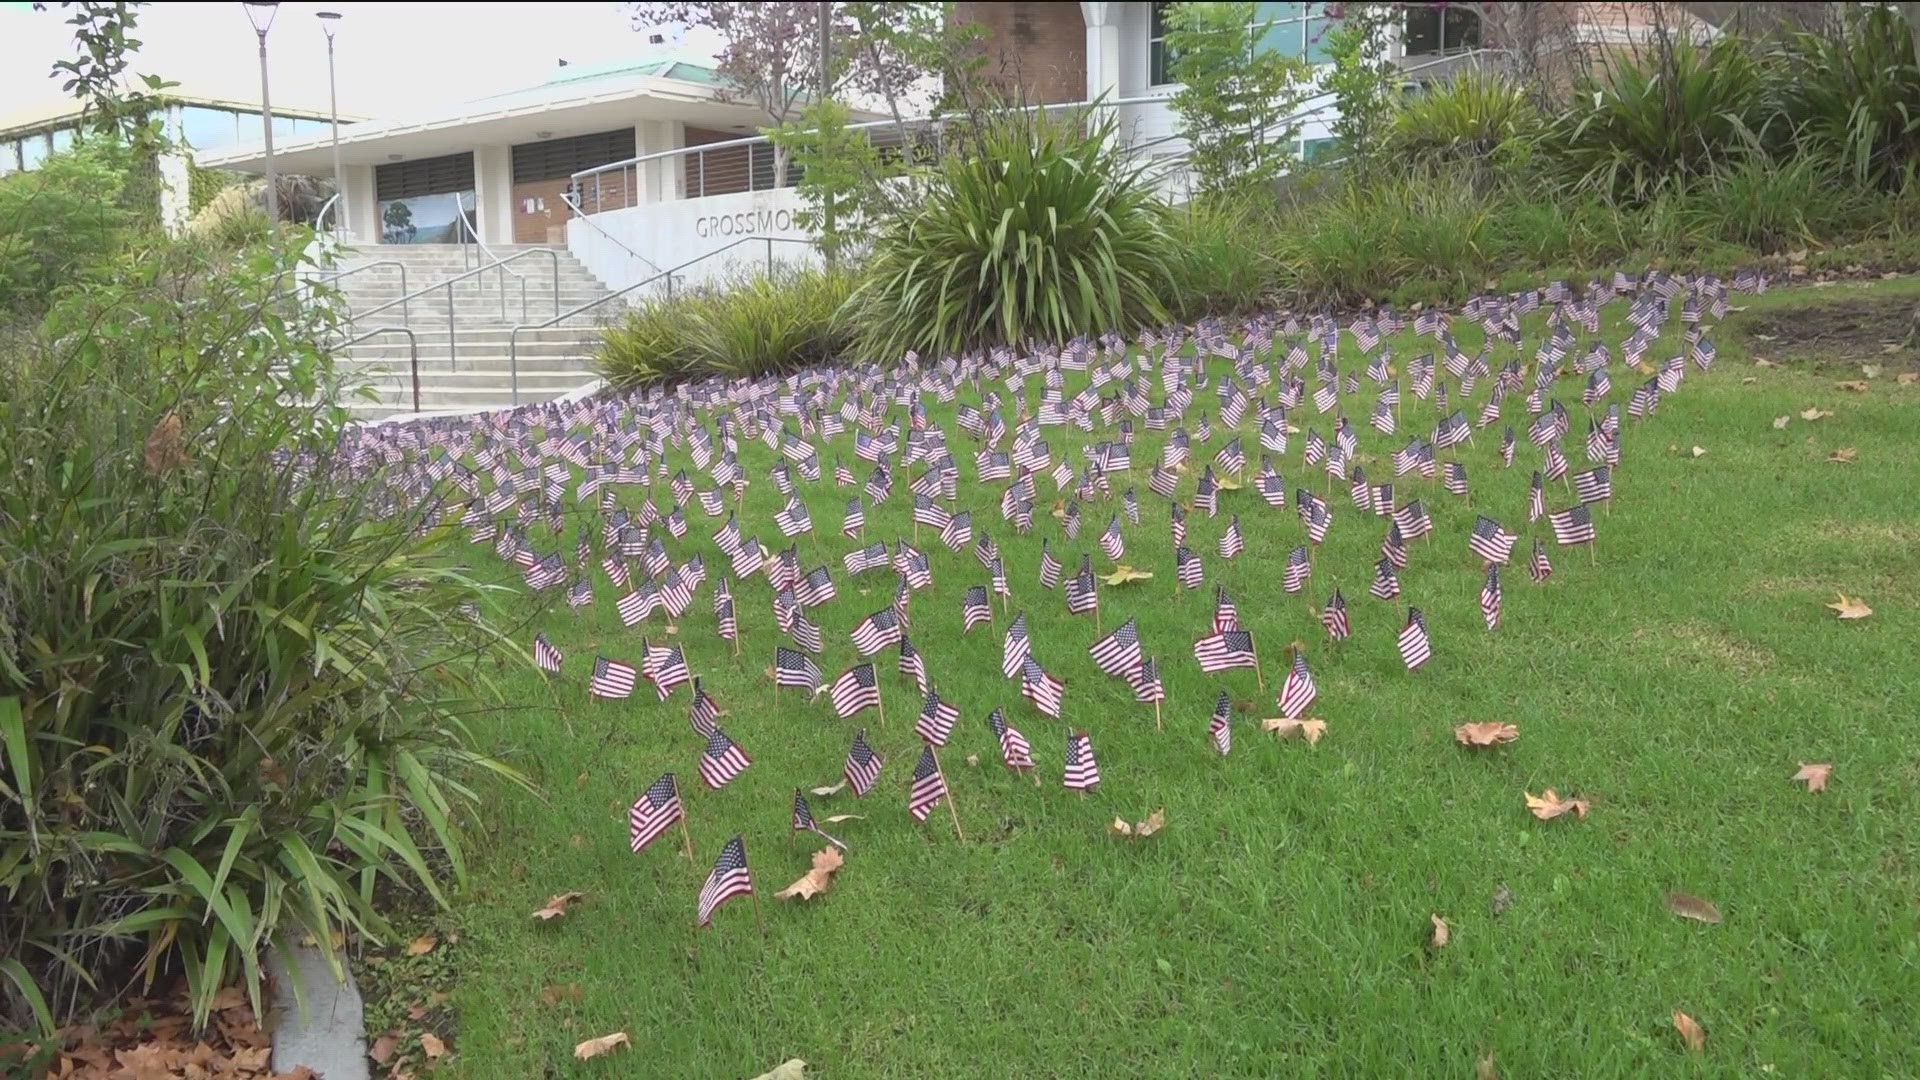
(463,338)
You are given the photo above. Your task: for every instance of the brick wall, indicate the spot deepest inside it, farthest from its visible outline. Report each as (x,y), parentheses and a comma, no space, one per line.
(1035,51)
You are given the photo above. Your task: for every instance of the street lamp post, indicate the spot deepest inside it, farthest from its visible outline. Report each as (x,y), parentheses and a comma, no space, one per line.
(330,22)
(260,13)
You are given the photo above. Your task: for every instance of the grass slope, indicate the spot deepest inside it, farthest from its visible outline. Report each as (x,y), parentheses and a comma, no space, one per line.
(1278,925)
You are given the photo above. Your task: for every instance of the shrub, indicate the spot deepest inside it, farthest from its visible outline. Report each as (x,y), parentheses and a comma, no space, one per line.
(1226,262)
(231,671)
(1471,117)
(1236,101)
(1856,95)
(749,326)
(62,220)
(1032,227)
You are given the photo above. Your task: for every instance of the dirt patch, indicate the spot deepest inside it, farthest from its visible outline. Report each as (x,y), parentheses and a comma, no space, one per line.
(1841,335)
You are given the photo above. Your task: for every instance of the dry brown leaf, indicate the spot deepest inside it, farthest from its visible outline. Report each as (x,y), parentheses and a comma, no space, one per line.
(556,906)
(432,1045)
(1489,733)
(1442,933)
(1843,455)
(1872,371)
(1311,730)
(422,945)
(1690,1031)
(838,818)
(605,1044)
(1546,806)
(817,880)
(1814,412)
(383,1047)
(1689,906)
(1855,385)
(791,1069)
(1120,827)
(1851,607)
(1814,776)
(1699,451)
(1484,1069)
(1759,361)
(1154,823)
(1907,378)
(973,761)
(164,452)
(1780,422)
(831,789)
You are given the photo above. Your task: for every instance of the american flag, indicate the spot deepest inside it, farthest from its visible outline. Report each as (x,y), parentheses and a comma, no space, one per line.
(1334,618)
(863,560)
(1538,568)
(958,532)
(1014,748)
(936,721)
(1413,520)
(1225,615)
(1594,485)
(670,671)
(580,595)
(1490,597)
(545,656)
(1017,648)
(1456,479)
(1206,495)
(1162,482)
(1573,525)
(1415,649)
(876,632)
(1145,682)
(803,814)
(1188,568)
(1049,566)
(975,608)
(854,690)
(929,785)
(1298,570)
(1177,523)
(793,518)
(611,679)
(1111,542)
(863,765)
(855,518)
(654,812)
(1118,652)
(1386,584)
(1316,515)
(1047,693)
(1082,594)
(1271,486)
(1231,458)
(704,715)
(1225,650)
(792,668)
(1491,542)
(722,760)
(1221,726)
(1298,692)
(730,878)
(546,573)
(1231,542)
(929,513)
(815,589)
(1082,772)
(1536,499)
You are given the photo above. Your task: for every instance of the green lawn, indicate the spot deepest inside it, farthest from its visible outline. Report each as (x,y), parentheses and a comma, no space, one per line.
(1279,925)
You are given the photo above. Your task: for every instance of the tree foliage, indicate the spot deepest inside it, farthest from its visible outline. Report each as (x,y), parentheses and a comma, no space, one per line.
(1236,102)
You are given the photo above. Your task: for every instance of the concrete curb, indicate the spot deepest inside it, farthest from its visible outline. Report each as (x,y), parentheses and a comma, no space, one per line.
(329,1035)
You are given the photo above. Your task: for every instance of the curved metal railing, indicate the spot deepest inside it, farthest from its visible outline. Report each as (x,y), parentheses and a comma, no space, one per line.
(413,350)
(449,283)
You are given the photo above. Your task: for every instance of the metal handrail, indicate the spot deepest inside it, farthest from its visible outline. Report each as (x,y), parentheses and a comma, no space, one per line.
(319,219)
(513,337)
(449,283)
(573,203)
(333,278)
(463,229)
(413,349)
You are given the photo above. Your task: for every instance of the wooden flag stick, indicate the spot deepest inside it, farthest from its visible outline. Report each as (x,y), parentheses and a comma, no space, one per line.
(951,809)
(684,834)
(1258,677)
(1156,714)
(1592,559)
(881,701)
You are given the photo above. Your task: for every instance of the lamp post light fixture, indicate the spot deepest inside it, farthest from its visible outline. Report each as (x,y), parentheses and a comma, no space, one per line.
(260,13)
(330,22)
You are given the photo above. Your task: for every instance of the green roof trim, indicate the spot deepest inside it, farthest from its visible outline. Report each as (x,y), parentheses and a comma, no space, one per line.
(663,69)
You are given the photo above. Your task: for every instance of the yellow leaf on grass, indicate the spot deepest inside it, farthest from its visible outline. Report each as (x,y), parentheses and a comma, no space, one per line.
(1780,422)
(1227,483)
(1311,730)
(1699,451)
(1442,933)
(557,905)
(1814,412)
(1546,806)
(1843,455)
(1851,607)
(1691,1033)
(1759,361)
(1907,378)
(1855,385)
(1489,733)
(835,819)
(432,1045)
(1872,371)
(1139,830)
(1120,827)
(1124,573)
(1814,776)
(1688,906)
(422,945)
(831,789)
(605,1044)
(791,1069)
(817,880)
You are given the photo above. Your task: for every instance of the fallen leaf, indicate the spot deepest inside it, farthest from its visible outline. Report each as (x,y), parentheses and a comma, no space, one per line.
(1484,1068)
(1854,385)
(556,906)
(1907,378)
(1154,823)
(1123,574)
(1442,933)
(1815,412)
(1815,776)
(1120,827)
(791,1069)
(1546,806)
(1872,371)
(832,789)
(1689,906)
(1690,1031)
(1699,451)
(973,761)
(1502,899)
(422,945)
(817,880)
(1311,730)
(1780,422)
(1851,607)
(1843,455)
(1762,361)
(1228,483)
(605,1044)
(577,840)
(562,994)
(432,1045)
(383,1047)
(838,818)
(164,451)
(1489,733)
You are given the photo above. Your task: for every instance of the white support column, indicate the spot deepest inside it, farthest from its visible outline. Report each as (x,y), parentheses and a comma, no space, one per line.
(493,191)
(1103,49)
(664,180)
(363,209)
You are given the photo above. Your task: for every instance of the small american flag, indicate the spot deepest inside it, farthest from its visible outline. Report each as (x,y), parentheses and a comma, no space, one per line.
(975,608)
(1231,458)
(863,765)
(936,721)
(1490,597)
(1298,692)
(1112,544)
(1415,649)
(1014,748)
(670,671)
(1017,648)
(1232,543)
(1490,542)
(1082,772)
(1145,682)
(545,656)
(1573,525)
(704,715)
(1206,495)
(722,760)
(1334,618)
(1394,548)
(654,812)
(1594,485)
(792,668)
(1082,594)
(729,878)
(1188,568)
(1456,479)
(580,595)
(1177,523)
(929,785)
(1118,652)
(854,690)
(1049,566)
(1225,615)
(1299,569)
(611,679)
(1047,693)
(1386,584)
(1225,650)
(1538,568)
(1221,726)
(855,518)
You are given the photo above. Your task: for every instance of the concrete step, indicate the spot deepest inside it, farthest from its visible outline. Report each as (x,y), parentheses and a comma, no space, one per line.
(392,350)
(468,383)
(463,367)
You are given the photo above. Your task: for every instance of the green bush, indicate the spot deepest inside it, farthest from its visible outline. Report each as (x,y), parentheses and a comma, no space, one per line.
(1856,95)
(749,326)
(1033,227)
(1226,261)
(1471,117)
(63,220)
(232,673)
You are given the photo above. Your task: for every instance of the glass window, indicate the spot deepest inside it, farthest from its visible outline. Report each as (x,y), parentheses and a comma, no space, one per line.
(9,157)
(1441,29)
(33,151)
(1277,28)
(1157,45)
(62,140)
(208,129)
(1312,150)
